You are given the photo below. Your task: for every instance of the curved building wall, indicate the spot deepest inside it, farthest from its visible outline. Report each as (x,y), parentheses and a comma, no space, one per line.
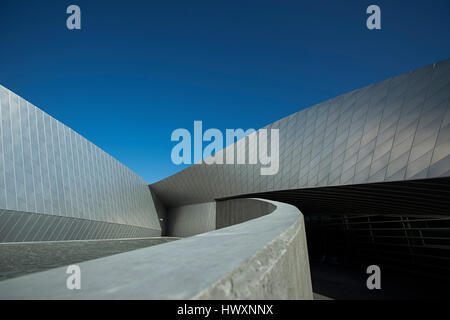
(397,129)
(55,184)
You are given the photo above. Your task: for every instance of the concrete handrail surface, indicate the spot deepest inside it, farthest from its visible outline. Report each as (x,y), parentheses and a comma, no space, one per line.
(264,258)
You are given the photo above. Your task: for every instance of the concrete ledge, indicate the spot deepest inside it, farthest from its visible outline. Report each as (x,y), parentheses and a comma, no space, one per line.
(262,258)
(280,270)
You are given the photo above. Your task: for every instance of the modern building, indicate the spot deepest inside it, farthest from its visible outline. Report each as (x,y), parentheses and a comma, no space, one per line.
(56,185)
(343,156)
(369,170)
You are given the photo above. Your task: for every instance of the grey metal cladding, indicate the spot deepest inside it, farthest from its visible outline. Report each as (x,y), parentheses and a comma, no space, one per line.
(397,129)
(16,226)
(48,169)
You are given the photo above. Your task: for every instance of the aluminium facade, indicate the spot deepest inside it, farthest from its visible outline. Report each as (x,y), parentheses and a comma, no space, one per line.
(56,185)
(393,130)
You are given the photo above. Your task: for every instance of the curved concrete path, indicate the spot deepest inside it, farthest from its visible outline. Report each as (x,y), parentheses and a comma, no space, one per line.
(271,247)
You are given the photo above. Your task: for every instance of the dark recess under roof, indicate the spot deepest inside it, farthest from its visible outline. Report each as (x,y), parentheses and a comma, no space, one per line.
(427,197)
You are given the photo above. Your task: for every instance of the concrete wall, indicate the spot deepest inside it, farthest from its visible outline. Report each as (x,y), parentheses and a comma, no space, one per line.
(230,212)
(190,220)
(48,169)
(186,221)
(279,270)
(264,258)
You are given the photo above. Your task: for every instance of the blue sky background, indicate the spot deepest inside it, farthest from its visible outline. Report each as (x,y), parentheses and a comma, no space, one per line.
(140,69)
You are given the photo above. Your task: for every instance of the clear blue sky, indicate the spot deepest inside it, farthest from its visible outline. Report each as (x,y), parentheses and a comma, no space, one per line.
(137,70)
